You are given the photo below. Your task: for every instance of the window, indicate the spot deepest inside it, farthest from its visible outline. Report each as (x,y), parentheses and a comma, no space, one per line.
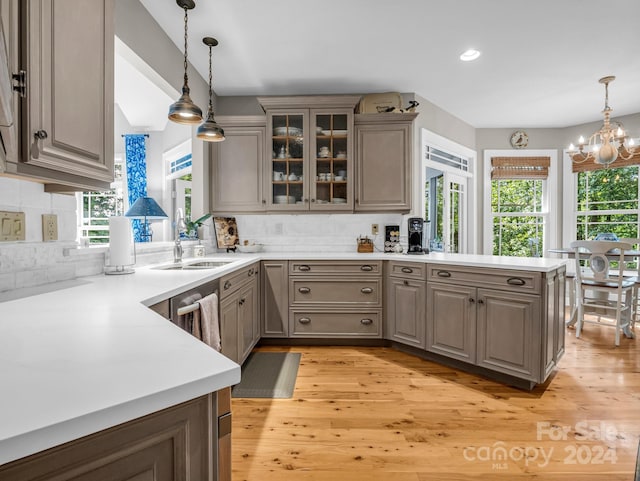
(607,201)
(97,207)
(520,190)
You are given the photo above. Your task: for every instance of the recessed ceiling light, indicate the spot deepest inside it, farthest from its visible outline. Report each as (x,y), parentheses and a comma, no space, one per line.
(469,55)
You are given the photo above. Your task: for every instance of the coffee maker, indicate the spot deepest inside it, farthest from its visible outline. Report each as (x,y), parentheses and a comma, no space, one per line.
(417,236)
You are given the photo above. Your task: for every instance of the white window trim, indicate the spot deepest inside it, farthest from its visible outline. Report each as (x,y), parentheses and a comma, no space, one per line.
(434,140)
(549,196)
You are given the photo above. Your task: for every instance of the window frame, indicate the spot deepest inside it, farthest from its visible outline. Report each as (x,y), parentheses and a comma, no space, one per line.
(549,197)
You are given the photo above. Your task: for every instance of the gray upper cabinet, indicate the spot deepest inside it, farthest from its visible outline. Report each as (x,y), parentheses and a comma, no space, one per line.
(236,166)
(66,115)
(383,162)
(309,162)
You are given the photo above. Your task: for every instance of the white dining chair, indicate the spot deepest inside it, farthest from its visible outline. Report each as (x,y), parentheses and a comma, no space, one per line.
(601,285)
(632,271)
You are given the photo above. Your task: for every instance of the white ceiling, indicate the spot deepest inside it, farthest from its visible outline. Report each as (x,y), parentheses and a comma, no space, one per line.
(540,63)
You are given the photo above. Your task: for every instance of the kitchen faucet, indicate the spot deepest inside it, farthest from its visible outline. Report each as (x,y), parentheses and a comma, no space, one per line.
(181,226)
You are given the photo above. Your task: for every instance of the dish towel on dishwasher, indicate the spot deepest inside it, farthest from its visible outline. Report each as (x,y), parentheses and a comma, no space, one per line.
(209,325)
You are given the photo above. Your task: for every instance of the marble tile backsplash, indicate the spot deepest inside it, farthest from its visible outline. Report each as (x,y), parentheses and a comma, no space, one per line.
(317,233)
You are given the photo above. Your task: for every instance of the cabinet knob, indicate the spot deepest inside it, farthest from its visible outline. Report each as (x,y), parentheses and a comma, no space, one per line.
(264,201)
(366,268)
(304,290)
(366,322)
(472,300)
(40,134)
(480,301)
(304,320)
(407,270)
(250,273)
(406,283)
(227,285)
(312,201)
(304,268)
(241,301)
(366,290)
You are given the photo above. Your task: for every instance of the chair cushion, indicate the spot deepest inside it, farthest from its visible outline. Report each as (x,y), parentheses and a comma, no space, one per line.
(608,284)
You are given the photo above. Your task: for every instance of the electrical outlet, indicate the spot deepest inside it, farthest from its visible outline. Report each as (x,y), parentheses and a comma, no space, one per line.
(374,229)
(49,227)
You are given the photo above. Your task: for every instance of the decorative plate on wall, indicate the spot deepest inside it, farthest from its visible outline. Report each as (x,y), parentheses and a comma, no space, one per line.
(519,139)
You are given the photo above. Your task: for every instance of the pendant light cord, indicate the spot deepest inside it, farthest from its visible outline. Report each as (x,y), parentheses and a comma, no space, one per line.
(210,83)
(186,21)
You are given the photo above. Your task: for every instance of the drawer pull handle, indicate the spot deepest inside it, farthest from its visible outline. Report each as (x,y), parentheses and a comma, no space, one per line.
(304,290)
(366,268)
(516,281)
(366,322)
(227,285)
(444,274)
(304,320)
(366,290)
(407,270)
(304,268)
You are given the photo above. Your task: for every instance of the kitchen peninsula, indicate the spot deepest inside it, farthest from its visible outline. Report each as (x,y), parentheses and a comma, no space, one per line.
(89,355)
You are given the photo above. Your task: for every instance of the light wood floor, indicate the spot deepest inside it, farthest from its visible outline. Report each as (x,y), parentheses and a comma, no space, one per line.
(378,414)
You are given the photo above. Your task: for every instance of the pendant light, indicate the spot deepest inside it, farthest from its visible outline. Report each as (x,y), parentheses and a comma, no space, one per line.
(184,111)
(209,130)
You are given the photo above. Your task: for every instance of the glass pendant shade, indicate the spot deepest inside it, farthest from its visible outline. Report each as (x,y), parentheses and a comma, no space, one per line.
(183,110)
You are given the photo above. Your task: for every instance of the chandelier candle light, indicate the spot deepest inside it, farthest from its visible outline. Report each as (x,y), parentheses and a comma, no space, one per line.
(600,147)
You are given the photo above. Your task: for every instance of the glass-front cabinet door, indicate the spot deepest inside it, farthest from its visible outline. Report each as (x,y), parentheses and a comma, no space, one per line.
(332,160)
(288,173)
(309,157)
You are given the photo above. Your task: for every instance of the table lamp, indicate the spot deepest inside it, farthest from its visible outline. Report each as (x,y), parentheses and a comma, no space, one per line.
(146,208)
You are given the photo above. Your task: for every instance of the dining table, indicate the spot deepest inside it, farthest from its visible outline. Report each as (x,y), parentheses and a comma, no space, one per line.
(629,255)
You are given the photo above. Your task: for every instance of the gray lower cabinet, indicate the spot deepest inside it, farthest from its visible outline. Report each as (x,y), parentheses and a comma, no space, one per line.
(177,443)
(329,299)
(275,299)
(510,322)
(236,176)
(64,120)
(405,295)
(451,321)
(239,313)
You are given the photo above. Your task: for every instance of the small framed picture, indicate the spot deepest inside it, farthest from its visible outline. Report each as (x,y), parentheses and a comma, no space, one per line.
(226,232)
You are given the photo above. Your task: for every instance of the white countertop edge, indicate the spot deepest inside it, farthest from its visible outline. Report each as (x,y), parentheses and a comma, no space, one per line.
(51,436)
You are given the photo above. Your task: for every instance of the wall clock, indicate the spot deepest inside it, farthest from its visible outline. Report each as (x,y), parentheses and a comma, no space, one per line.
(519,139)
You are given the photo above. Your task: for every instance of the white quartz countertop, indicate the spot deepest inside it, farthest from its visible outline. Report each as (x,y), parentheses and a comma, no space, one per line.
(80,356)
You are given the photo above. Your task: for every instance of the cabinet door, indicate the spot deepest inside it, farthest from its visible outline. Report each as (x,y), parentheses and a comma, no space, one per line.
(287,171)
(405,312)
(383,169)
(236,170)
(332,161)
(451,321)
(275,299)
(229,319)
(509,333)
(248,319)
(67,115)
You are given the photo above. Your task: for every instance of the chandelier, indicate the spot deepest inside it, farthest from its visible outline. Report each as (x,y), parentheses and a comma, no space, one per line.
(600,147)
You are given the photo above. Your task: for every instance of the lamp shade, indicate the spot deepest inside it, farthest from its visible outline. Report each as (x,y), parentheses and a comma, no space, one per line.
(146,208)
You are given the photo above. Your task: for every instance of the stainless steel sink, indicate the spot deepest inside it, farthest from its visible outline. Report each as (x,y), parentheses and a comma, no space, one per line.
(188,266)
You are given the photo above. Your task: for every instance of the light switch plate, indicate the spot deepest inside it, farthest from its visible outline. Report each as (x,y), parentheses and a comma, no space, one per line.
(11,226)
(49,227)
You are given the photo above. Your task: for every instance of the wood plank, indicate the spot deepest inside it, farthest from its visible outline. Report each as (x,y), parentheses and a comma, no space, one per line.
(362,413)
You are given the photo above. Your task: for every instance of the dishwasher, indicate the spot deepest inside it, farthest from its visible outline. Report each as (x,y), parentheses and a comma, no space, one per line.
(178,310)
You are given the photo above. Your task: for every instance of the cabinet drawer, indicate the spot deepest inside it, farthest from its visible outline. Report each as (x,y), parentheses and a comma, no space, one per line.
(333,267)
(336,292)
(503,279)
(234,281)
(407,270)
(313,323)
